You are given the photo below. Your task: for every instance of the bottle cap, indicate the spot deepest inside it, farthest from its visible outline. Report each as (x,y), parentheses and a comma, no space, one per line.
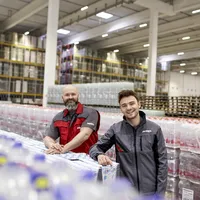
(17,145)
(64,192)
(39,157)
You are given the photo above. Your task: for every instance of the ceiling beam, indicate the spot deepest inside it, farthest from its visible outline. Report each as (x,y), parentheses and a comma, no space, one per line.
(175,48)
(179,48)
(180,5)
(163,42)
(109,27)
(21,15)
(79,15)
(163,29)
(158,5)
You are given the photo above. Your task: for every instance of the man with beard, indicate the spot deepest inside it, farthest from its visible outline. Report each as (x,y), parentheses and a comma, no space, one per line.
(139,145)
(76,126)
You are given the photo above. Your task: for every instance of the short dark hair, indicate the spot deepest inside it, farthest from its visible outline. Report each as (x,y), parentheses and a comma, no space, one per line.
(127,93)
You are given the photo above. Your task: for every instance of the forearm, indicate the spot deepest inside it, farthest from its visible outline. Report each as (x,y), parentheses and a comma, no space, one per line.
(76,142)
(48,141)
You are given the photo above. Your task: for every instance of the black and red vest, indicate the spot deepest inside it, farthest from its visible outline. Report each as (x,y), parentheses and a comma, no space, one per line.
(69,128)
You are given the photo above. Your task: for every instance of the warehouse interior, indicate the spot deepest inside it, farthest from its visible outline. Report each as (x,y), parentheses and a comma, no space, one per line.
(102,47)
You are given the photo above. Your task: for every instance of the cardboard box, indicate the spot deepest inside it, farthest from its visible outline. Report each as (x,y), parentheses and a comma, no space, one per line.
(20,54)
(27,55)
(39,57)
(18,86)
(6,52)
(26,71)
(25,86)
(33,57)
(39,42)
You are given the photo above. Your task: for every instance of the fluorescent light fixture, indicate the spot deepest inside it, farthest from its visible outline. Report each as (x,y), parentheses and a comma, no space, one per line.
(182,71)
(116,50)
(105,35)
(143,25)
(63,31)
(26,33)
(196,11)
(76,42)
(194,73)
(104,15)
(186,38)
(146,45)
(180,53)
(182,64)
(84,8)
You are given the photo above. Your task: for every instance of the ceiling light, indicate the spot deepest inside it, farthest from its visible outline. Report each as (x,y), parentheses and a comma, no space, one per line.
(105,35)
(76,42)
(116,50)
(104,15)
(146,45)
(180,53)
(194,73)
(143,25)
(140,64)
(182,64)
(186,38)
(84,8)
(182,71)
(196,11)
(26,33)
(63,31)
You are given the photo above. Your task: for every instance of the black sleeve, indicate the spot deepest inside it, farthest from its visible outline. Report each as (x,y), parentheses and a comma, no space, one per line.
(103,144)
(161,159)
(92,120)
(52,131)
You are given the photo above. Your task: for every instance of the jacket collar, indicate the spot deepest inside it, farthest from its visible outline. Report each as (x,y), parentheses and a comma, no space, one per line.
(142,119)
(79,110)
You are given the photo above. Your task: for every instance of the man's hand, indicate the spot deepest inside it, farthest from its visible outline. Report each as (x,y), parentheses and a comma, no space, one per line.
(104,160)
(64,149)
(52,151)
(56,146)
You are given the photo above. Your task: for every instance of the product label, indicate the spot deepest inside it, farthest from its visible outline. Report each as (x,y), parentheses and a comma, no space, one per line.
(187,194)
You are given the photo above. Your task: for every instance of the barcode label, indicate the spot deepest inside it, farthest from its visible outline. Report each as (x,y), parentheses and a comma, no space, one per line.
(187,194)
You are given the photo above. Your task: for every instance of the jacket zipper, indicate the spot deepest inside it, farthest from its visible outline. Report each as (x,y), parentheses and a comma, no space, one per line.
(141,144)
(136,162)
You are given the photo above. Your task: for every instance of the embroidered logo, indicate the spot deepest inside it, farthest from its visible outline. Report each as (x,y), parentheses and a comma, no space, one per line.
(147,131)
(90,123)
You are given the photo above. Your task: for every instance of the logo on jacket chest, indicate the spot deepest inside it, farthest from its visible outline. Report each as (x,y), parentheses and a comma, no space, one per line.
(147,131)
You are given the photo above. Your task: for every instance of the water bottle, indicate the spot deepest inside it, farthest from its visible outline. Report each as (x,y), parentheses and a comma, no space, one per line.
(41,185)
(15,183)
(60,173)
(122,189)
(18,153)
(65,192)
(39,163)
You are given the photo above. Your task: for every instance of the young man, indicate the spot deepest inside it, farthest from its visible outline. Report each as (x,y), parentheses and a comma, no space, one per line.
(140,147)
(76,126)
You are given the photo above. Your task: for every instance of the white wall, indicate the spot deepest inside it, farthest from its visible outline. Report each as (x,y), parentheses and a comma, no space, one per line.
(184,85)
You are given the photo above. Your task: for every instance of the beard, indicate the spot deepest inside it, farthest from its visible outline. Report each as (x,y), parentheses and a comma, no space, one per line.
(71,104)
(133,115)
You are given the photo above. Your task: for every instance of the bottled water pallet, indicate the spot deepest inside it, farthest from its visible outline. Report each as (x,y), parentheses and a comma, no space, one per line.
(77,161)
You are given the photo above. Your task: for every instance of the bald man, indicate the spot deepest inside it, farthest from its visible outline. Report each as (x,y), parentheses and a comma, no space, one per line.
(76,126)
